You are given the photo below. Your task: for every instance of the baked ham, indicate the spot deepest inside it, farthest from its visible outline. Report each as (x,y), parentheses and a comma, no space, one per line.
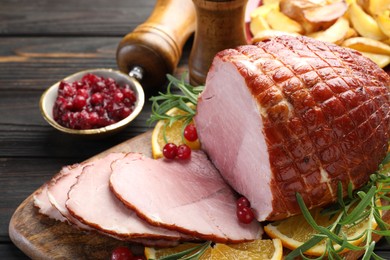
(188,196)
(293,115)
(91,201)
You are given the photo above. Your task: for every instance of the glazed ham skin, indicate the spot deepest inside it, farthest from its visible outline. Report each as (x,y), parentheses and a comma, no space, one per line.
(292,114)
(91,201)
(183,195)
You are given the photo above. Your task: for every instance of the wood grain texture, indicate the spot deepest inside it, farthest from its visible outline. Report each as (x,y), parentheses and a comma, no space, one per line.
(72,17)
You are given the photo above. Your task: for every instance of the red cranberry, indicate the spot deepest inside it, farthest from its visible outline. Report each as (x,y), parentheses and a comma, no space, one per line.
(97,98)
(243,202)
(170,151)
(79,102)
(183,152)
(92,102)
(245,215)
(121,253)
(190,133)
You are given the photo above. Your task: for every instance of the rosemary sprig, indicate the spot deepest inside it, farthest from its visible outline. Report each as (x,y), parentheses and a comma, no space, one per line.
(355,208)
(181,95)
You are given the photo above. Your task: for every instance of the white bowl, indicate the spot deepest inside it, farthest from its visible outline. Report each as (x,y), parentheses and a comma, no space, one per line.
(49,96)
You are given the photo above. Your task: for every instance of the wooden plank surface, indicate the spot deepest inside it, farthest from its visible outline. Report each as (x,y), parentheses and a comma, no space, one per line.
(41,42)
(72,17)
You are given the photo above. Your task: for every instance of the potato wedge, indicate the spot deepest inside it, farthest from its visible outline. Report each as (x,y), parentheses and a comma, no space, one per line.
(374,7)
(363,44)
(268,34)
(281,22)
(263,10)
(314,15)
(351,33)
(364,24)
(380,59)
(257,24)
(383,20)
(334,34)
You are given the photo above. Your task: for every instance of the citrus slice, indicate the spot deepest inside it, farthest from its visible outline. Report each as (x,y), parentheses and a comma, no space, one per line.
(173,134)
(295,231)
(260,249)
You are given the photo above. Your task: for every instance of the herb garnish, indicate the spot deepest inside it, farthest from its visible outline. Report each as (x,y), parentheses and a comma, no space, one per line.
(355,208)
(186,101)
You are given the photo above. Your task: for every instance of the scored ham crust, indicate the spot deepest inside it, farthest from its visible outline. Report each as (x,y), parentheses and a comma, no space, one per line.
(183,195)
(293,114)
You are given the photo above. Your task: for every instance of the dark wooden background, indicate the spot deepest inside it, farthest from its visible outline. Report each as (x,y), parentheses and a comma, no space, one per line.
(41,42)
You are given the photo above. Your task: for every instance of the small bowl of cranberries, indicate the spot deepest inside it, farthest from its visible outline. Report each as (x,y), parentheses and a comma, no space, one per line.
(92,102)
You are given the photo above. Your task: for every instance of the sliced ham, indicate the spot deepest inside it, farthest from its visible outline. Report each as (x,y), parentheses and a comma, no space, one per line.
(91,201)
(42,202)
(58,188)
(188,196)
(293,115)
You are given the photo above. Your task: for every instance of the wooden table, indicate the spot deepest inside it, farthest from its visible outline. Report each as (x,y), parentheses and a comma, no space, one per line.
(41,42)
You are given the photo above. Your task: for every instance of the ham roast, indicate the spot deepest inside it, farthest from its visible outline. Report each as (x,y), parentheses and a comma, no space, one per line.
(293,115)
(188,196)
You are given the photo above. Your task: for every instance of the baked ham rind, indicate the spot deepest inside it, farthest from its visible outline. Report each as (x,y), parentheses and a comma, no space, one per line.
(293,114)
(182,195)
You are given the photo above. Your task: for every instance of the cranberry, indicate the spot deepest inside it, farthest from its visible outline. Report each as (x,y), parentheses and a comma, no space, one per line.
(190,133)
(245,215)
(79,102)
(68,90)
(122,253)
(92,102)
(118,97)
(170,151)
(97,98)
(183,152)
(83,92)
(243,202)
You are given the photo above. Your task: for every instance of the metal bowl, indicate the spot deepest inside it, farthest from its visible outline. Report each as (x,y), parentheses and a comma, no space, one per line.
(49,96)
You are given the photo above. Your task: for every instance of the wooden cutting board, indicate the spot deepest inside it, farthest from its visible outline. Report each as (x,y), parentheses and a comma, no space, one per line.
(42,238)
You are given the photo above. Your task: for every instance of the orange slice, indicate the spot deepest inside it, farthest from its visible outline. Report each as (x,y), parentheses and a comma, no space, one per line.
(173,134)
(295,231)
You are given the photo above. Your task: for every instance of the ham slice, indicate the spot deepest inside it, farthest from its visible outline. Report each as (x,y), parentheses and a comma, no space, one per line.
(91,201)
(58,188)
(42,202)
(188,196)
(293,114)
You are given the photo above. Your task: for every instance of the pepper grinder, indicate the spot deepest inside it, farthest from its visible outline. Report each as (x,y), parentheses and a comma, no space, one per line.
(220,25)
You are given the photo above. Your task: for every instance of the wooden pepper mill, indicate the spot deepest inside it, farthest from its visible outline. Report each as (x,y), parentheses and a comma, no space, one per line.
(220,25)
(154,48)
